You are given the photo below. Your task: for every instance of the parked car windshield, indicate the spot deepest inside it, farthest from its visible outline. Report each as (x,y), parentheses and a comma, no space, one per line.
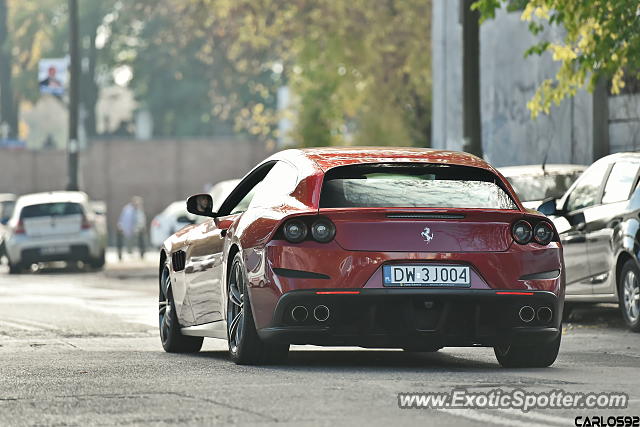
(413,186)
(51,209)
(540,187)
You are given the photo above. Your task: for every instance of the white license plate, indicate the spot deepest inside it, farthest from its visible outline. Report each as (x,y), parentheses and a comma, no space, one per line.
(54,250)
(426,275)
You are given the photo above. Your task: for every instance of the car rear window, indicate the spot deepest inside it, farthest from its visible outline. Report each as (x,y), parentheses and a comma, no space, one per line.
(51,209)
(415,186)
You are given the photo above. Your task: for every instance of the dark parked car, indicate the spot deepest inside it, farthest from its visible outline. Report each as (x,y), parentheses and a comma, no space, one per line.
(599,224)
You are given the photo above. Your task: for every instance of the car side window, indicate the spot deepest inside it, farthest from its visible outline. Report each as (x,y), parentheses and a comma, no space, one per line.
(239,199)
(587,190)
(279,183)
(621,178)
(244,203)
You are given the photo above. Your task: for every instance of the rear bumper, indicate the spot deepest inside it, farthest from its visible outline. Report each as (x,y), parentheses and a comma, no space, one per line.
(81,247)
(414,318)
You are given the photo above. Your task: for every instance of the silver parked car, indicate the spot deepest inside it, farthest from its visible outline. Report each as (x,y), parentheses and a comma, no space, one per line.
(598,220)
(175,216)
(7,202)
(54,226)
(537,183)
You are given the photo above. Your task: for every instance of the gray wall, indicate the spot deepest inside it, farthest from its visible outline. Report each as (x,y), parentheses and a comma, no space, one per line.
(115,170)
(508,81)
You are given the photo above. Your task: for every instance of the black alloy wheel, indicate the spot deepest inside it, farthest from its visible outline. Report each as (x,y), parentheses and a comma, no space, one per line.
(245,346)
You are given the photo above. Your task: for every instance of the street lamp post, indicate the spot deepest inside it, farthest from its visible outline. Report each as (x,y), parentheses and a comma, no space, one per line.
(74,86)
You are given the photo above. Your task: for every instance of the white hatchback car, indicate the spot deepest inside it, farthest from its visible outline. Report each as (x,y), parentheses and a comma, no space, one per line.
(55,226)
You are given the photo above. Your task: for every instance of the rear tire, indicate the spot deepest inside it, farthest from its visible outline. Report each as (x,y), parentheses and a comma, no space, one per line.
(629,294)
(16,268)
(98,263)
(245,346)
(528,356)
(172,339)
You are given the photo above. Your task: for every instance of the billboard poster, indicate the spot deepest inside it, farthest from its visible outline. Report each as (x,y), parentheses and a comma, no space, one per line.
(53,75)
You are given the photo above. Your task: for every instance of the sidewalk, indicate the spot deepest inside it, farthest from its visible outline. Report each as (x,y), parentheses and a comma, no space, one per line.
(131,265)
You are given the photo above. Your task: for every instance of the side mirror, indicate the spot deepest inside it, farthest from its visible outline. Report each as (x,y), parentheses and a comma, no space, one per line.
(201,204)
(548,207)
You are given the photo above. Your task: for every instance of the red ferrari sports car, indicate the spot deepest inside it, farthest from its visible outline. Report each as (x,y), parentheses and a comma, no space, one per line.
(405,248)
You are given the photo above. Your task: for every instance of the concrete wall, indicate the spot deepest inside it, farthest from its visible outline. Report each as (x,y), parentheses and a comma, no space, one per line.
(624,122)
(115,170)
(508,81)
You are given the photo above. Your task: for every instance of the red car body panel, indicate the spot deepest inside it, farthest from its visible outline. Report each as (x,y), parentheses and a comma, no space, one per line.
(366,239)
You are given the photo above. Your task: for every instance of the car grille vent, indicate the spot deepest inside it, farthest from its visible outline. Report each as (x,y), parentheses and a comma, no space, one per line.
(426,216)
(178,259)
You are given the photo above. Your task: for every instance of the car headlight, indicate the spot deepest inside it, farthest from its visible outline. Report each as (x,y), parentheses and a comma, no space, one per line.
(323,230)
(295,230)
(543,233)
(522,232)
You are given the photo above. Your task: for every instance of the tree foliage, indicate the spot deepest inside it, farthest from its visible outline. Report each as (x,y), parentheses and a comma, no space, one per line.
(359,69)
(602,41)
(356,67)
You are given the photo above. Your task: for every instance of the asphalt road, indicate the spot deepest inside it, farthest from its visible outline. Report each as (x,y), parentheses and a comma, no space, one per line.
(81,348)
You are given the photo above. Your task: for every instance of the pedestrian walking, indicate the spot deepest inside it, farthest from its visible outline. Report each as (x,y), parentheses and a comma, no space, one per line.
(132,227)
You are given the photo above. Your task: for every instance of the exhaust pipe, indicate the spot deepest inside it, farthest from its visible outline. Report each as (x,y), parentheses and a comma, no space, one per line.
(321,313)
(299,313)
(526,313)
(545,314)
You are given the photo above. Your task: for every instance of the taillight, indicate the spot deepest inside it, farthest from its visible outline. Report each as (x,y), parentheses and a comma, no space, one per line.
(295,230)
(323,230)
(86,224)
(19,228)
(298,229)
(543,233)
(522,232)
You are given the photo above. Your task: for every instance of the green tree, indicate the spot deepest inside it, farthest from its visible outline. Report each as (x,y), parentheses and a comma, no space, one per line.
(358,68)
(602,41)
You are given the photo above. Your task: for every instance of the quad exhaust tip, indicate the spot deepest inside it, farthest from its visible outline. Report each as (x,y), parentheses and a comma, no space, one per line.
(299,313)
(321,313)
(545,314)
(526,313)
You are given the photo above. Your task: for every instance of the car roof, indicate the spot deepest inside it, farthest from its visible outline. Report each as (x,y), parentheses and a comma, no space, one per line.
(628,155)
(558,168)
(53,197)
(326,158)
